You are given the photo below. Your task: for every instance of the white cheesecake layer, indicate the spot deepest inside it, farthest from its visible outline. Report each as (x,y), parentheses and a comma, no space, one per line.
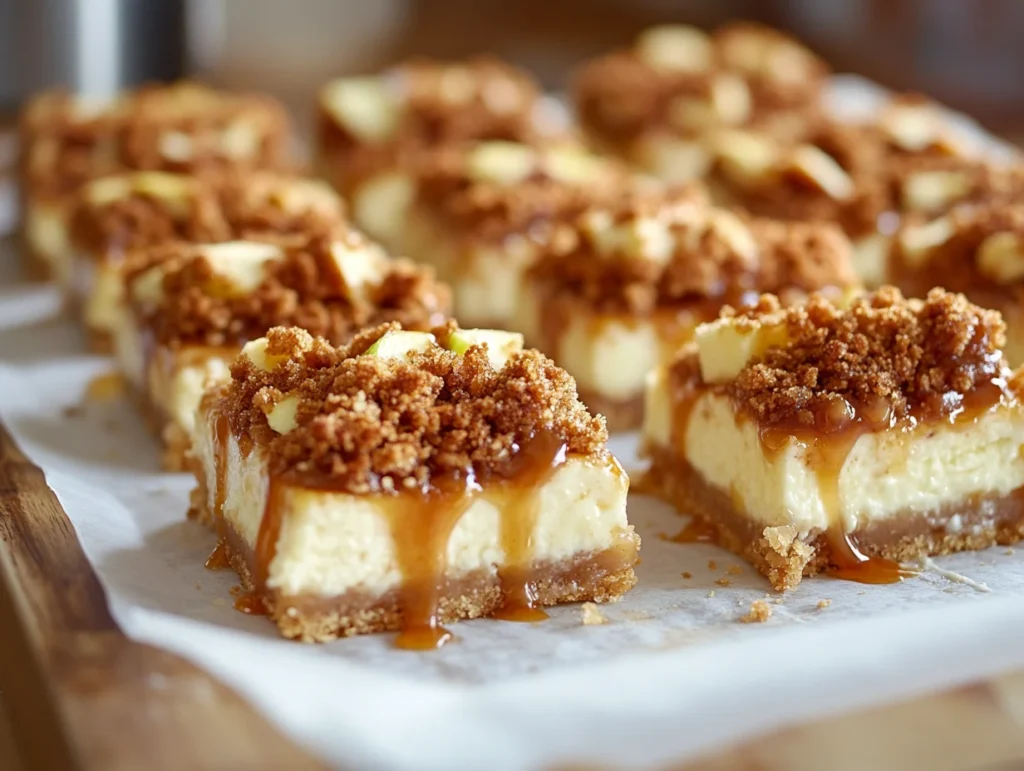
(332,542)
(173,381)
(885,473)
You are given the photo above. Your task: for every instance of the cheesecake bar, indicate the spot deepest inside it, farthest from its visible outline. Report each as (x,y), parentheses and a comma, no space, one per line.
(481,213)
(622,287)
(661,103)
(367,125)
(849,439)
(976,248)
(406,480)
(191,308)
(120,214)
(185,127)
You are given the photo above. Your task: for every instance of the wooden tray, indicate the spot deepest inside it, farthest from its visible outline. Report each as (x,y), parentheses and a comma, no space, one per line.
(77,692)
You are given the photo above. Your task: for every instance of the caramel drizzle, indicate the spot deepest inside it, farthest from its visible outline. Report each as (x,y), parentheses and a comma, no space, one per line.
(421,523)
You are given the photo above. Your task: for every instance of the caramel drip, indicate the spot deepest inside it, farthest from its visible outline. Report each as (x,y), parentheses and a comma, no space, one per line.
(266,548)
(218,559)
(519,507)
(421,526)
(105,387)
(696,531)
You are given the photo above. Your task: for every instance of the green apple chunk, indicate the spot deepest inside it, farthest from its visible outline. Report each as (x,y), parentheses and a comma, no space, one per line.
(400,344)
(500,344)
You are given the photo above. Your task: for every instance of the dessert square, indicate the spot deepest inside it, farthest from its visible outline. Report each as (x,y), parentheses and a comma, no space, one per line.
(481,213)
(842,439)
(661,103)
(184,127)
(120,214)
(976,248)
(407,480)
(370,124)
(622,287)
(190,309)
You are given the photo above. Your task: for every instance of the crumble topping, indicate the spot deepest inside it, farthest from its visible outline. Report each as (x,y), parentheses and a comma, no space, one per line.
(493,189)
(143,209)
(884,355)
(365,423)
(682,81)
(660,249)
(976,249)
(183,127)
(183,296)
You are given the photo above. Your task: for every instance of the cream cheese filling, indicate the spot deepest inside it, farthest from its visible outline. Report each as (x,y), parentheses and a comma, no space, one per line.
(332,542)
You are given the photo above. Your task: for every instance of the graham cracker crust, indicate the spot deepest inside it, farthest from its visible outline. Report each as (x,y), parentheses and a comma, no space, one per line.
(587,577)
(620,415)
(984,521)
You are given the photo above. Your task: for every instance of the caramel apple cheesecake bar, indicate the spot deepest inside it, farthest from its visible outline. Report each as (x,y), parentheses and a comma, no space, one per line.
(406,480)
(481,213)
(191,308)
(976,248)
(184,127)
(623,286)
(118,215)
(661,103)
(370,124)
(847,439)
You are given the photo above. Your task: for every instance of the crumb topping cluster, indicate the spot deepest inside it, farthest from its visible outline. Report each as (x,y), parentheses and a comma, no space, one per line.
(978,249)
(241,205)
(883,359)
(366,423)
(184,127)
(423,103)
(196,302)
(682,81)
(489,208)
(659,250)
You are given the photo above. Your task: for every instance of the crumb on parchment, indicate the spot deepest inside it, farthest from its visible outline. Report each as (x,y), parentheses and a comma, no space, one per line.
(822,604)
(760,611)
(592,615)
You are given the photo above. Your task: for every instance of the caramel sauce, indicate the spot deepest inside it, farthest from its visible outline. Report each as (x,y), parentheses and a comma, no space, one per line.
(105,387)
(421,523)
(695,531)
(218,559)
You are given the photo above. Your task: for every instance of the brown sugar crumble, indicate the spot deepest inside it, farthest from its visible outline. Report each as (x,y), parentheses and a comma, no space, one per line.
(760,611)
(304,288)
(884,358)
(712,565)
(624,94)
(669,249)
(361,420)
(242,205)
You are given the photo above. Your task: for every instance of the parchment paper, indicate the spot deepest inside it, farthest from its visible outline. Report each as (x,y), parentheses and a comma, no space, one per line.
(672,674)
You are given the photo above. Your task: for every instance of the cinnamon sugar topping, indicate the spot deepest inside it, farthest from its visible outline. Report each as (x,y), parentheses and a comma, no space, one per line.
(125,212)
(225,294)
(655,249)
(884,355)
(364,422)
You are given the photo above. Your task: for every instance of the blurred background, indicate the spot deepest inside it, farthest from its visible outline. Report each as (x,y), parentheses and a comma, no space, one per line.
(963,52)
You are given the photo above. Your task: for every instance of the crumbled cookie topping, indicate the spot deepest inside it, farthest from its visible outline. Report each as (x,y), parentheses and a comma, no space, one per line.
(241,205)
(182,296)
(490,190)
(365,423)
(183,127)
(681,81)
(659,249)
(882,359)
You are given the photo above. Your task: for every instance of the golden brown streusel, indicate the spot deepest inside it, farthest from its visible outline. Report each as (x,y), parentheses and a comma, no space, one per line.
(488,210)
(305,289)
(232,206)
(362,419)
(885,356)
(621,96)
(713,256)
